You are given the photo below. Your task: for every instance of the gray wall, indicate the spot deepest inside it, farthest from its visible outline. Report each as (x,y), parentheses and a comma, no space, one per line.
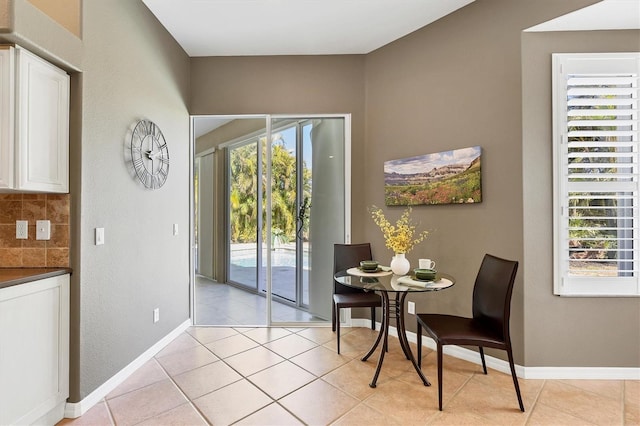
(132,69)
(564,331)
(125,68)
(453,84)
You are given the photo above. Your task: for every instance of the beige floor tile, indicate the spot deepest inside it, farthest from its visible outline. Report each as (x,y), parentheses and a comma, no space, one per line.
(243,329)
(253,360)
(200,381)
(632,414)
(265,334)
(456,418)
(452,381)
(290,345)
(149,373)
(271,415)
(363,415)
(354,378)
(320,360)
(209,334)
(232,403)
(142,404)
(281,379)
(179,362)
(183,415)
(180,343)
(318,403)
(364,333)
(451,364)
(354,344)
(320,335)
(580,403)
(98,415)
(406,403)
(613,389)
(455,374)
(232,345)
(341,395)
(395,362)
(544,415)
(495,404)
(529,389)
(632,402)
(632,391)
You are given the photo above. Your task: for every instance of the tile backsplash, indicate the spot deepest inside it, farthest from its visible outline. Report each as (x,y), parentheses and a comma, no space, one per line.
(31,252)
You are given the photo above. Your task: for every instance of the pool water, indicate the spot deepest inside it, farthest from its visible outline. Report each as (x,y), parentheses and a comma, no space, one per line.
(247,258)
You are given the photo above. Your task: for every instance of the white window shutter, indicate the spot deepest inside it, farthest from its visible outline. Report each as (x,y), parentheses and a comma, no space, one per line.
(596,174)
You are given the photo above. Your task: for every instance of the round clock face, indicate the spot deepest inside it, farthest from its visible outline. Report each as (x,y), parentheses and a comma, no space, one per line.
(149,154)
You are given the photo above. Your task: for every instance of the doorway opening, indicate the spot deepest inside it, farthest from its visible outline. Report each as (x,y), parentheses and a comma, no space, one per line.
(270,200)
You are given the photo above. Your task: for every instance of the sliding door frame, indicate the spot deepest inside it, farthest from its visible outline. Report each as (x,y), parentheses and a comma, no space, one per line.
(347,202)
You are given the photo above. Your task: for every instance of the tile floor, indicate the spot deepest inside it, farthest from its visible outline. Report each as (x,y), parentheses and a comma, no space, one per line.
(289,376)
(222,304)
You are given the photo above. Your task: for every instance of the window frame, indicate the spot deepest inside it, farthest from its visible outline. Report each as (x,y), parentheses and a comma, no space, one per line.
(565,284)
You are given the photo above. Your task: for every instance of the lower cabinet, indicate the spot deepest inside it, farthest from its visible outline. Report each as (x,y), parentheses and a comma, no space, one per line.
(34,351)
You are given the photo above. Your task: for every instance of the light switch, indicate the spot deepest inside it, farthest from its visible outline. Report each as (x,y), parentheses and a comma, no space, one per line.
(175,229)
(43,229)
(99,236)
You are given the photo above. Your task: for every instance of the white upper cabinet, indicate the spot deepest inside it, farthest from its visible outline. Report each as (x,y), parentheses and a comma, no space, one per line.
(6,118)
(34,140)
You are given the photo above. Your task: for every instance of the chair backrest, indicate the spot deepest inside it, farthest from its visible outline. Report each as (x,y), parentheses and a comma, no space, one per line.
(492,292)
(347,256)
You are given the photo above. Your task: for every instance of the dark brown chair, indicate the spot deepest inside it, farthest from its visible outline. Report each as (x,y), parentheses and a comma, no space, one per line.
(489,326)
(347,256)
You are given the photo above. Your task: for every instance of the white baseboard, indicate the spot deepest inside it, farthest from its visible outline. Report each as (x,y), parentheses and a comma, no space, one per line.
(593,373)
(76,409)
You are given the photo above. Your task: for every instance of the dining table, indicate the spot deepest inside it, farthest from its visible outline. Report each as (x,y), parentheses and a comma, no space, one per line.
(386,283)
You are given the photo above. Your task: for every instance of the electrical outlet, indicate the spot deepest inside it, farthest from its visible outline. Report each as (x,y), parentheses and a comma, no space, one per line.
(22,229)
(411,306)
(156,315)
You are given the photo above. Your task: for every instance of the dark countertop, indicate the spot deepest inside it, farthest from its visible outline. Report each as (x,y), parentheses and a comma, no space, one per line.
(15,276)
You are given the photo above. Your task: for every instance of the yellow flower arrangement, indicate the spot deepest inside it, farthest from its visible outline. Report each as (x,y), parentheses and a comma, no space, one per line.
(401,237)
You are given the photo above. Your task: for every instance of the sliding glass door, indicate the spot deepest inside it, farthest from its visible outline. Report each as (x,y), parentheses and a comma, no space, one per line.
(245,211)
(307,205)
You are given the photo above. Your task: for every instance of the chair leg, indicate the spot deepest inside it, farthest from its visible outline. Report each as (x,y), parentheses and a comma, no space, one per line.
(515,378)
(338,327)
(419,343)
(373,317)
(484,366)
(333,316)
(439,376)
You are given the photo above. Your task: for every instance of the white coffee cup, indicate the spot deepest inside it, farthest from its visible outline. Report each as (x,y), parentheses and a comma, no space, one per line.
(426,264)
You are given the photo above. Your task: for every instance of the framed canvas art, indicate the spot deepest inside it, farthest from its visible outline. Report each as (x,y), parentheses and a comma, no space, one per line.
(448,177)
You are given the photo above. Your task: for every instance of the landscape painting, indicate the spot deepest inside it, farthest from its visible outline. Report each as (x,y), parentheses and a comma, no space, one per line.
(440,178)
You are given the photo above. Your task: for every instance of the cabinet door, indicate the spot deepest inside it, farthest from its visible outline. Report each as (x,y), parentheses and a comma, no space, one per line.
(43,125)
(7,99)
(34,351)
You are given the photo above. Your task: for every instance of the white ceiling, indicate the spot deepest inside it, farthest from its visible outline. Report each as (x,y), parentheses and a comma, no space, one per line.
(294,27)
(606,15)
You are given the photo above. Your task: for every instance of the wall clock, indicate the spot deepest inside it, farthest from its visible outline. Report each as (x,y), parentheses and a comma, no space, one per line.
(149,154)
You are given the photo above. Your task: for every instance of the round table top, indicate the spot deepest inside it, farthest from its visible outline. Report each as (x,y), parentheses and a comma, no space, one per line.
(389,282)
